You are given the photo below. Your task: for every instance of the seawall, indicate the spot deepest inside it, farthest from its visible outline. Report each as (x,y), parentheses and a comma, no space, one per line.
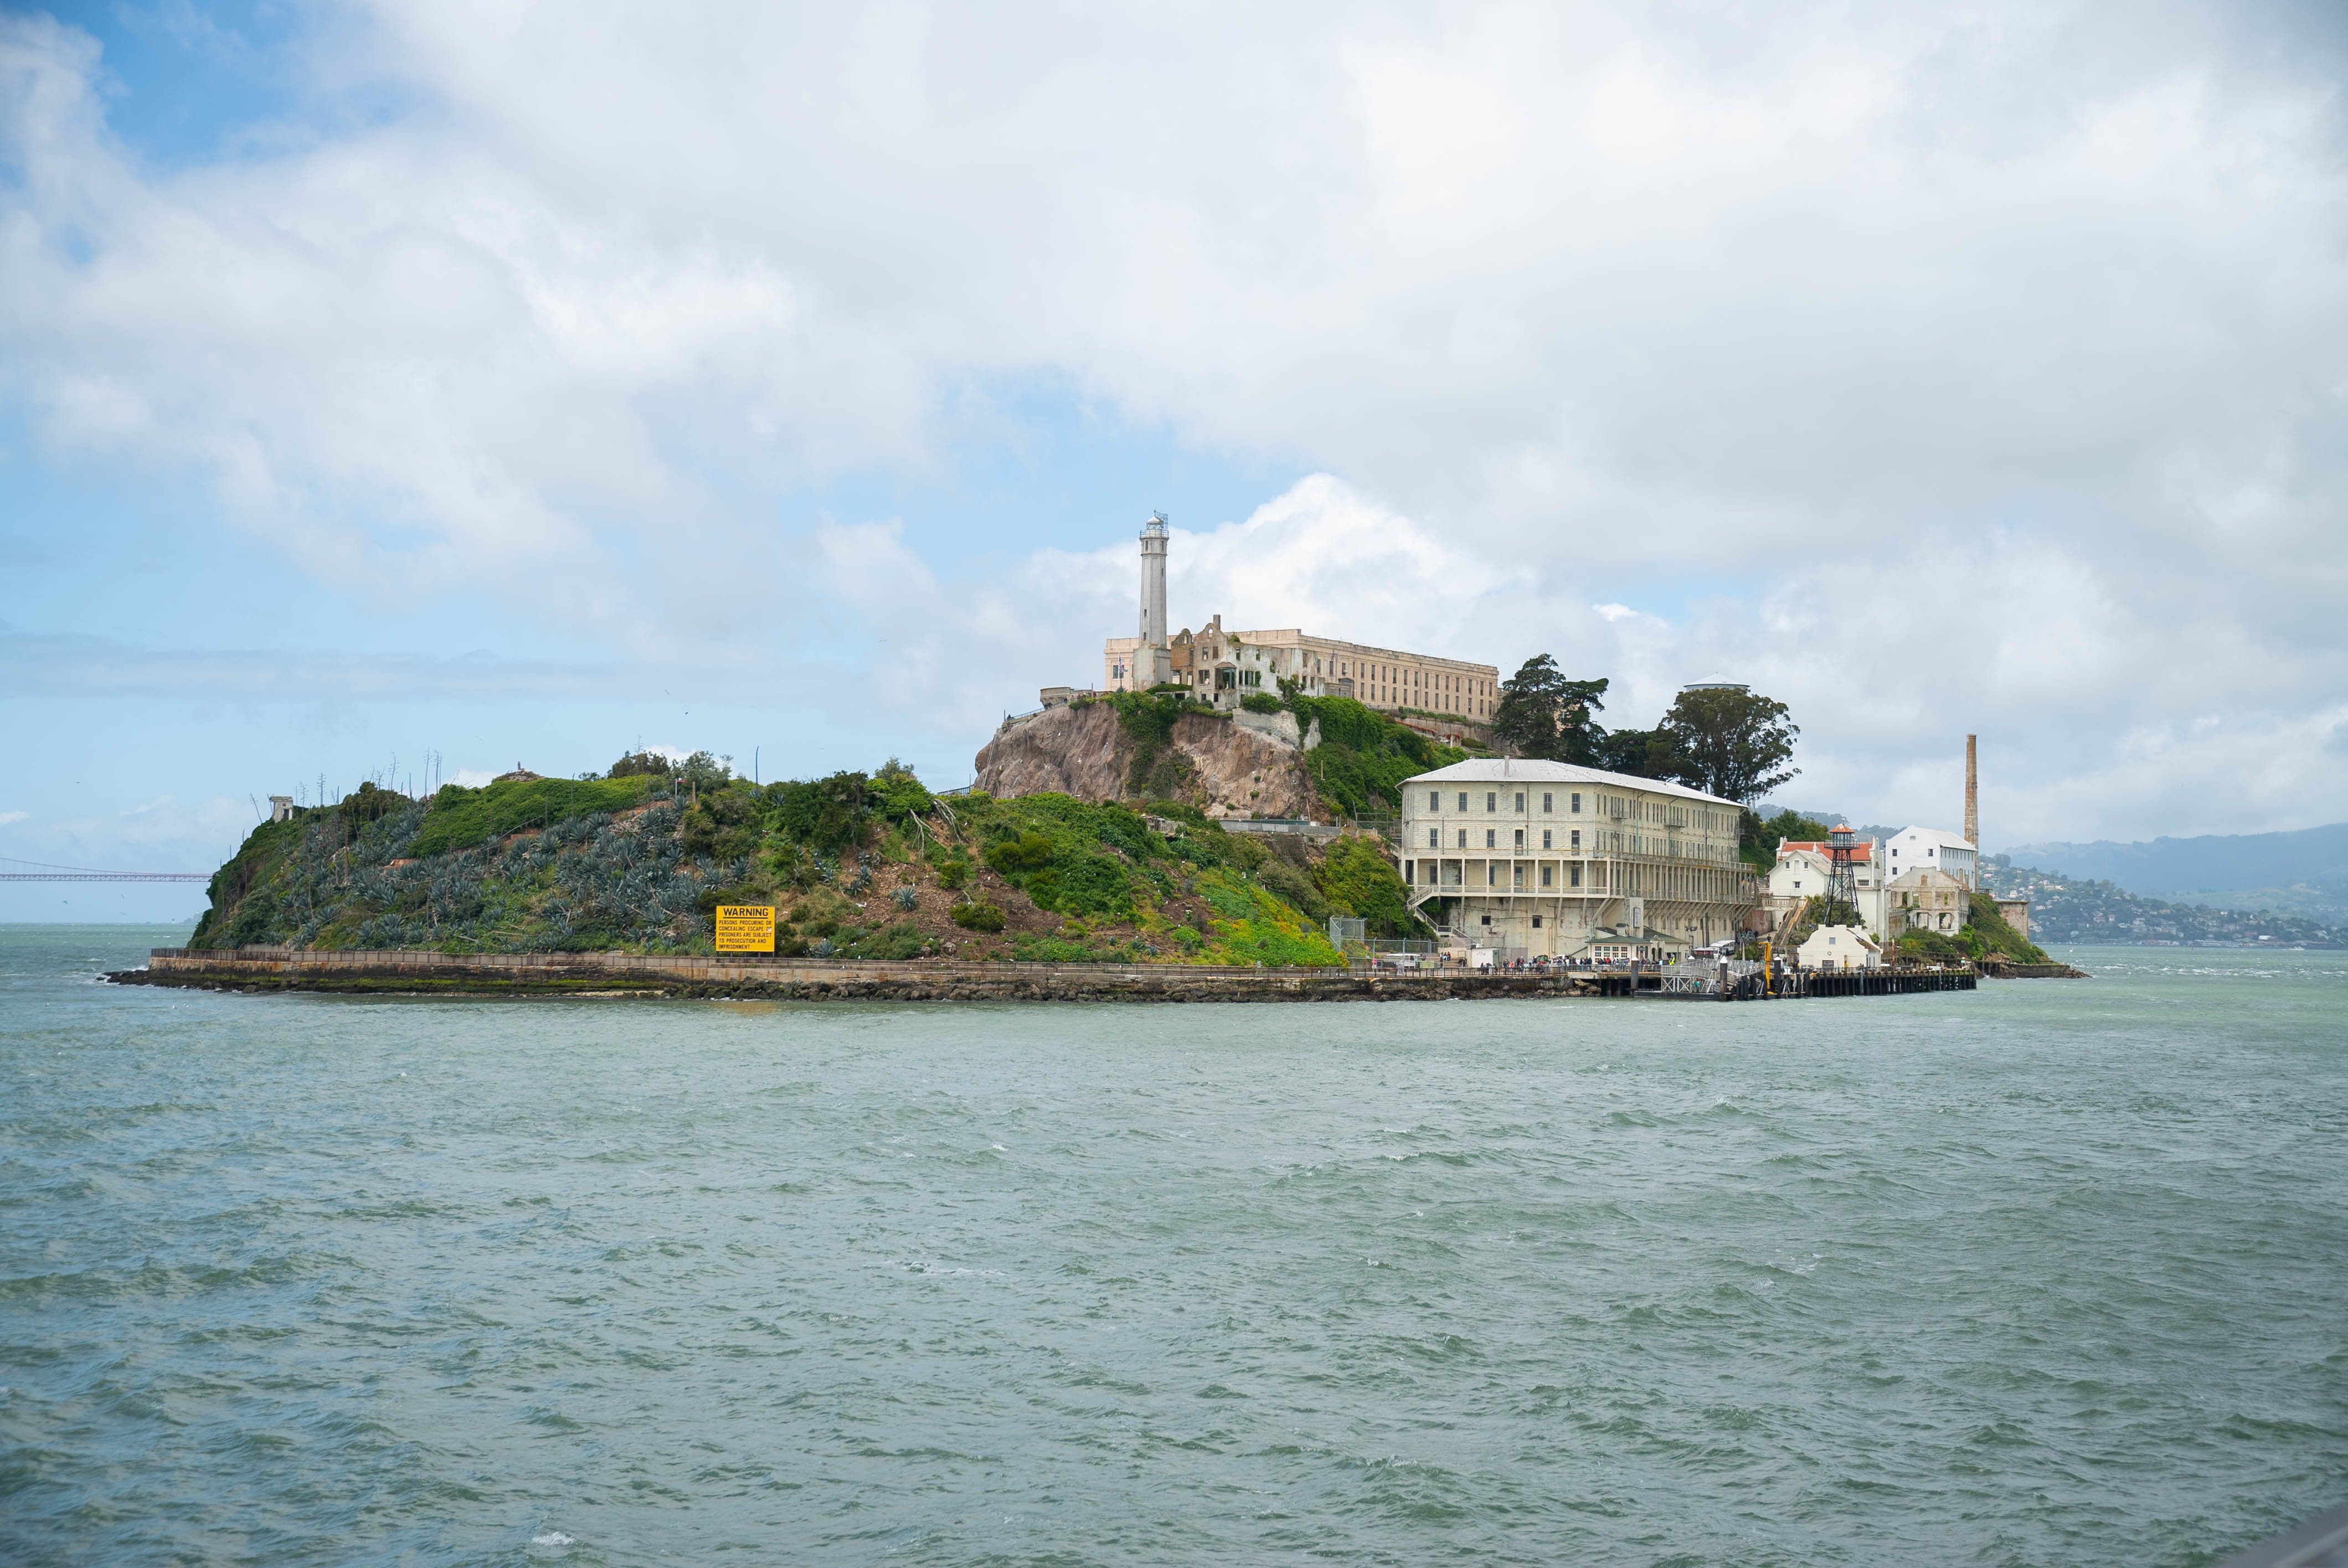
(412,972)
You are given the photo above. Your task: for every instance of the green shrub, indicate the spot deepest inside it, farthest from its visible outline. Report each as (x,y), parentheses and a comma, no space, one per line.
(1262,702)
(1357,878)
(250,926)
(737,893)
(1985,935)
(461,818)
(1293,884)
(953,874)
(703,772)
(1252,927)
(1016,857)
(723,823)
(892,942)
(828,815)
(980,915)
(1150,719)
(1363,757)
(897,793)
(640,764)
(368,804)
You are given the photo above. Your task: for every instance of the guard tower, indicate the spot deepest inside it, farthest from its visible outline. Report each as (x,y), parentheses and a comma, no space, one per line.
(1842,907)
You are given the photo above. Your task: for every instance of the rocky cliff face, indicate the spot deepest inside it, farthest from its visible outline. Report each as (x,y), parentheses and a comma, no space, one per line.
(1083,751)
(1222,768)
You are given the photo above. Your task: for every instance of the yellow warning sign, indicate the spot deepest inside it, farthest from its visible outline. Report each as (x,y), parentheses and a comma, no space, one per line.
(746,928)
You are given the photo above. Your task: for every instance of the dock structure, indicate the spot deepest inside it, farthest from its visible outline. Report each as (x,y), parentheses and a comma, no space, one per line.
(414,972)
(409,971)
(1881,982)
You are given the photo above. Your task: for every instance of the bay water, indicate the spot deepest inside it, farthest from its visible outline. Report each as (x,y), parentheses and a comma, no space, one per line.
(2047,1273)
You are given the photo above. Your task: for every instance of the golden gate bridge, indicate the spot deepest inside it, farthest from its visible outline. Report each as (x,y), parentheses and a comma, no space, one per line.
(47,872)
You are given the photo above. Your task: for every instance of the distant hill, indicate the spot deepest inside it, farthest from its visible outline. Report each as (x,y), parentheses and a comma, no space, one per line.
(2303,873)
(2075,909)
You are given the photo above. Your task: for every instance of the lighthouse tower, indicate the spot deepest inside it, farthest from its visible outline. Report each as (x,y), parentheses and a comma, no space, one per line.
(1153,662)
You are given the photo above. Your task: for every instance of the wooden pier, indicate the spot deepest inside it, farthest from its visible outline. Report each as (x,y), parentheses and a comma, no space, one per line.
(1745,982)
(1882,982)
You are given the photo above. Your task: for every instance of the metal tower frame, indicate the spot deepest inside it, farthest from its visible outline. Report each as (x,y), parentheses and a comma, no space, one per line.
(1842,878)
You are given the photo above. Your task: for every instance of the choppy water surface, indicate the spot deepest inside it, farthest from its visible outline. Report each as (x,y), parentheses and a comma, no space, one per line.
(2045,1274)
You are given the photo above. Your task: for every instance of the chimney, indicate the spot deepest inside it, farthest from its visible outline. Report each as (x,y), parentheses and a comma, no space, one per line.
(1973,793)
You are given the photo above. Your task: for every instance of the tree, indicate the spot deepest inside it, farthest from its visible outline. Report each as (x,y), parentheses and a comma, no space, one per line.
(642,763)
(1643,754)
(1757,838)
(1542,715)
(1730,743)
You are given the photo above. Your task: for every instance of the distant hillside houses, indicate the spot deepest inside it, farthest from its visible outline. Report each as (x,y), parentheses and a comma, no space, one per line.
(2077,909)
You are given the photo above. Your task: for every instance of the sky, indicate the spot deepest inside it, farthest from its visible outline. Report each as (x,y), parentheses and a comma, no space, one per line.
(412,391)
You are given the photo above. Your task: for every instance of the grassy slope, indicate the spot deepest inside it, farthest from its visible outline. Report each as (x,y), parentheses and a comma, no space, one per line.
(855,866)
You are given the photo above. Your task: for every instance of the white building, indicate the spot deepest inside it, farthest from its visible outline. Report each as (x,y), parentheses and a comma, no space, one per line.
(1840,948)
(1929,900)
(1222,667)
(1540,857)
(1800,875)
(1934,849)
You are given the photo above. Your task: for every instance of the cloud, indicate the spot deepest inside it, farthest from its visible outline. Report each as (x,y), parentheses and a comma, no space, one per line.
(952,655)
(1885,664)
(7,817)
(85,666)
(1945,369)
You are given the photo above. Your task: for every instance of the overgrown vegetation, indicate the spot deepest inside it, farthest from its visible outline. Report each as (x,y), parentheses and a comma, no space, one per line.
(1363,757)
(1987,935)
(1160,770)
(857,866)
(459,818)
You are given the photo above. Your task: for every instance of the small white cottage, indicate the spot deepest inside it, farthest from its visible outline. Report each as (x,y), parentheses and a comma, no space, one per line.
(1840,948)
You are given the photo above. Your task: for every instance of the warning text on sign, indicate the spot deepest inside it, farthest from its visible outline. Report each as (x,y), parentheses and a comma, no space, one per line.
(746,928)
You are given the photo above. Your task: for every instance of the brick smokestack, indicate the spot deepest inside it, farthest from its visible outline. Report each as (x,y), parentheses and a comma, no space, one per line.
(1973,793)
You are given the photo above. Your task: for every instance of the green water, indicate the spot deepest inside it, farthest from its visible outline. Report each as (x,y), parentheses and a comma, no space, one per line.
(2050,1272)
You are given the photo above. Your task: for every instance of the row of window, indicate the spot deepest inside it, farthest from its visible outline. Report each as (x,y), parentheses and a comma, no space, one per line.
(1492,838)
(1637,810)
(1415,680)
(1451,872)
(1633,844)
(1492,801)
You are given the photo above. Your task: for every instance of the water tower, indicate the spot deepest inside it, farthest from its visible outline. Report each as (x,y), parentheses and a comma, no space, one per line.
(1842,877)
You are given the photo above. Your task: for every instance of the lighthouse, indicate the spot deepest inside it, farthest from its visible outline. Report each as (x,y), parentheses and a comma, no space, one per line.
(1153,660)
